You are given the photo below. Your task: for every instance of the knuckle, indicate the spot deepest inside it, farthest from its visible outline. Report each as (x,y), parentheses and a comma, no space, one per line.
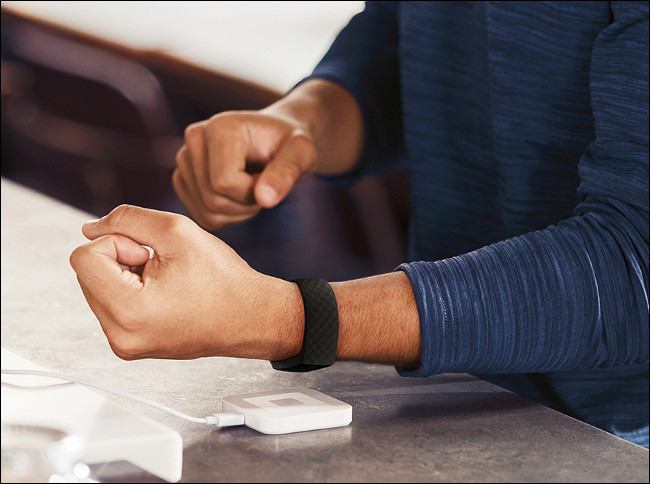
(180,185)
(177,224)
(227,125)
(194,152)
(216,222)
(225,182)
(221,184)
(219,122)
(120,209)
(176,181)
(224,117)
(216,118)
(77,256)
(222,220)
(194,144)
(214,204)
(119,214)
(124,216)
(181,157)
(193,131)
(211,225)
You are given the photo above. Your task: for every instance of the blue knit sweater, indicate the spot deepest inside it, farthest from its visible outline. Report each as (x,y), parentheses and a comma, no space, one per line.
(524,126)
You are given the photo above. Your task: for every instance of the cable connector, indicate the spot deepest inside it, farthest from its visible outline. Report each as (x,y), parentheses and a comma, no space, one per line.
(225,419)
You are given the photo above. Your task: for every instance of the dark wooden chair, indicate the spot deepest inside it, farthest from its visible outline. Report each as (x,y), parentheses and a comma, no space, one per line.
(83,125)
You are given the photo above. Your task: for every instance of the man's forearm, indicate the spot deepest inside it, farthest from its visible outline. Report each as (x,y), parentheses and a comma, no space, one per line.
(331,117)
(378,320)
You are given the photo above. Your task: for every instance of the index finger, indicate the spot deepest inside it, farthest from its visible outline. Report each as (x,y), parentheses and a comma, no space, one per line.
(146,226)
(227,155)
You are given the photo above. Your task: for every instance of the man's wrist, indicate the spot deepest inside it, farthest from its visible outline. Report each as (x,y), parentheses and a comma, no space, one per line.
(281,321)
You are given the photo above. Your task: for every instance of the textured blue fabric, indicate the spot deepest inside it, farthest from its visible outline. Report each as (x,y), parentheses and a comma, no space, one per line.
(524,126)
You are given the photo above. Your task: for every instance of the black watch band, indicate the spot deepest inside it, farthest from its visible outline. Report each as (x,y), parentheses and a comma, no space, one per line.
(321,336)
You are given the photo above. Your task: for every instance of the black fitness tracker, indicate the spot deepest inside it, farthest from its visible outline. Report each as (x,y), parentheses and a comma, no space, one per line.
(321,335)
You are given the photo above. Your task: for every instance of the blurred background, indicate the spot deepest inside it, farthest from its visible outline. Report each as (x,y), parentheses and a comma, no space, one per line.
(96,96)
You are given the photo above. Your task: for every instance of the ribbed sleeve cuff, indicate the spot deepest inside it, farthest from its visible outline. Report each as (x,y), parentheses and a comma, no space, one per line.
(433,335)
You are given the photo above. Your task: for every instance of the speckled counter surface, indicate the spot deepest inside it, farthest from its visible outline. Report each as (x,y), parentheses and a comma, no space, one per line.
(447,428)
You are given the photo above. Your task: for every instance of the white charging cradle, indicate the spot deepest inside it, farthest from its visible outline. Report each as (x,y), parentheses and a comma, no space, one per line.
(289,410)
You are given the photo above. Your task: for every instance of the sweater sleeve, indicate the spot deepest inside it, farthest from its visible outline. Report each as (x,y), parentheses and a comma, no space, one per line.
(574,295)
(364,60)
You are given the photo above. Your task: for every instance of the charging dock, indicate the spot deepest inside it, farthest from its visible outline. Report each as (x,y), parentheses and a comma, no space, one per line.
(289,410)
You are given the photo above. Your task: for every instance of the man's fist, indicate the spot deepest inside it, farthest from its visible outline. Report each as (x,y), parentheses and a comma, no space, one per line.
(213,178)
(193,297)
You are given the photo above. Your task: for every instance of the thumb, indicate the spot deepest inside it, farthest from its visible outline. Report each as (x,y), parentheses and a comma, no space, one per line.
(98,265)
(279,176)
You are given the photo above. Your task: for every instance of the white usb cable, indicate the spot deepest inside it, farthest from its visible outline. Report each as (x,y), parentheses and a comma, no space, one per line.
(224,419)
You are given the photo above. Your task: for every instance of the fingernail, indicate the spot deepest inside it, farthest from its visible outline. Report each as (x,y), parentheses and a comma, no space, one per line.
(150,250)
(268,196)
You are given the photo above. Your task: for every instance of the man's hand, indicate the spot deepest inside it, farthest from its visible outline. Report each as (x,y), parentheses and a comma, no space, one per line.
(214,179)
(236,163)
(194,297)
